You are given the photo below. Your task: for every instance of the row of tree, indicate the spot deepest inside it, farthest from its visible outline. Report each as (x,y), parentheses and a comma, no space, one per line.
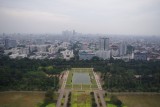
(117,75)
(131,76)
(26,74)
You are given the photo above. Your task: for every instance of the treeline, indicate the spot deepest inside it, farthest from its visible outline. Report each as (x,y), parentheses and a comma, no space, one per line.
(117,75)
(34,74)
(27,74)
(131,76)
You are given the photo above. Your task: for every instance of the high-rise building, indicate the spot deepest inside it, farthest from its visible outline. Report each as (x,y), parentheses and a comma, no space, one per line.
(74,32)
(122,48)
(12,43)
(114,50)
(103,51)
(9,43)
(104,44)
(103,54)
(6,43)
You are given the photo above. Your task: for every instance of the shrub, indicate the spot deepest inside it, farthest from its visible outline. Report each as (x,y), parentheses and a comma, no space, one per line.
(116,101)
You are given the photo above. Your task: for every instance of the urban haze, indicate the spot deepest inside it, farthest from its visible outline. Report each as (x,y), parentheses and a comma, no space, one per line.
(79,53)
(136,17)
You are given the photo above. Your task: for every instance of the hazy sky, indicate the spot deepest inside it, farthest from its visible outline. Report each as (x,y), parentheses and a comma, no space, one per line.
(86,16)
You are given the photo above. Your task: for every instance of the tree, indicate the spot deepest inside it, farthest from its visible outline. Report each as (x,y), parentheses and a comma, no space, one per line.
(116,101)
(95,58)
(48,98)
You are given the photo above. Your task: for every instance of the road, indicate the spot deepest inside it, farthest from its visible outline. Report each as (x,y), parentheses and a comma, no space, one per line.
(60,98)
(96,99)
(97,81)
(100,93)
(62,91)
(66,98)
(64,80)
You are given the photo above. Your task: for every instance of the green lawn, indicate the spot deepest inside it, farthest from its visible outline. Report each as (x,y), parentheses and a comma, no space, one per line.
(139,100)
(80,99)
(51,105)
(21,99)
(111,105)
(107,99)
(62,101)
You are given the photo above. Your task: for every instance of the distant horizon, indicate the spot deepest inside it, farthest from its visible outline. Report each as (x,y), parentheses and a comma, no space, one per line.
(84,34)
(121,17)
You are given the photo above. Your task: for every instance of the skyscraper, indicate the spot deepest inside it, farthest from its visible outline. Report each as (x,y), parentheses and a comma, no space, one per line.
(122,48)
(103,51)
(6,43)
(104,44)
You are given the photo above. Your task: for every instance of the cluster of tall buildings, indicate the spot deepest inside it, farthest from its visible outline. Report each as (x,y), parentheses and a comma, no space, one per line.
(105,50)
(8,43)
(70,44)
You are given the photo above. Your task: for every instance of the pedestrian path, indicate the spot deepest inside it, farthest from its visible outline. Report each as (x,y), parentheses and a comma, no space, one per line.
(99,95)
(96,99)
(60,98)
(65,80)
(66,98)
(97,81)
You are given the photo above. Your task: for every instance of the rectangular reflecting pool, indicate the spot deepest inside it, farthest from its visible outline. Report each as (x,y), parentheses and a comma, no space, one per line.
(81,78)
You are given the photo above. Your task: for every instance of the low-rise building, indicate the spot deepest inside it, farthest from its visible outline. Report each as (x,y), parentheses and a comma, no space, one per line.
(103,54)
(67,54)
(140,56)
(86,54)
(13,56)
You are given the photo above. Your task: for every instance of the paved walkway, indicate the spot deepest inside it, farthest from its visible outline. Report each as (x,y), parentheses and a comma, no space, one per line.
(66,98)
(96,99)
(60,98)
(99,92)
(65,80)
(62,91)
(97,81)
(101,98)
(101,95)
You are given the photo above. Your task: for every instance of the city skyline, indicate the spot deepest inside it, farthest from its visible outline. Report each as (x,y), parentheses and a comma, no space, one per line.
(106,17)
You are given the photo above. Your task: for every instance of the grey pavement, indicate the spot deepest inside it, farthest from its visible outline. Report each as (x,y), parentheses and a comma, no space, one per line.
(96,99)
(60,98)
(101,96)
(66,98)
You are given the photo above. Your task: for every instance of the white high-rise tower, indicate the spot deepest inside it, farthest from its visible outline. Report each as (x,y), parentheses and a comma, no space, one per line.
(104,43)
(103,51)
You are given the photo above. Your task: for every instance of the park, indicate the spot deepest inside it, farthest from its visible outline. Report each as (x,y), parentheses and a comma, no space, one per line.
(80,88)
(80,82)
(81,79)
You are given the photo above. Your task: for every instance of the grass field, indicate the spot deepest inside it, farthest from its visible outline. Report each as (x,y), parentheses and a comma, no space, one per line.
(91,86)
(21,99)
(51,105)
(139,100)
(80,99)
